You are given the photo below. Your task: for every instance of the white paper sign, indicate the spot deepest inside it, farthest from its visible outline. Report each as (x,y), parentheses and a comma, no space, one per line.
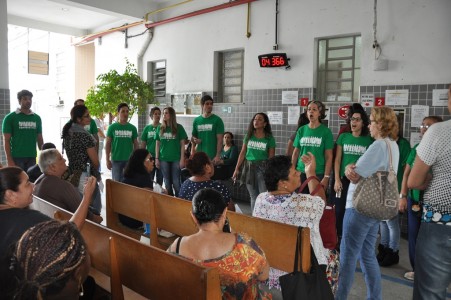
(367,100)
(344,99)
(290,97)
(396,97)
(293,114)
(275,117)
(331,98)
(414,138)
(418,113)
(440,97)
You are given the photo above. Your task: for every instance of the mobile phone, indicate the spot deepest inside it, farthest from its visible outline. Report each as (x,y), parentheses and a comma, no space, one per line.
(226,227)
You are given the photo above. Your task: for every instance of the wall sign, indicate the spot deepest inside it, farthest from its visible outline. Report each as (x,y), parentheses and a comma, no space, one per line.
(343,111)
(273,60)
(380,101)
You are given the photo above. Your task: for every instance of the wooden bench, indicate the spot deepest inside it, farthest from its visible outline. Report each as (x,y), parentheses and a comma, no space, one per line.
(173,214)
(148,271)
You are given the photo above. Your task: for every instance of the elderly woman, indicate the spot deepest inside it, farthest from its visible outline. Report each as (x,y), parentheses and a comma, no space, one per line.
(240,261)
(281,203)
(359,231)
(201,168)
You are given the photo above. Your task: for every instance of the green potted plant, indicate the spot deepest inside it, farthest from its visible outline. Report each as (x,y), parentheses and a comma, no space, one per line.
(113,88)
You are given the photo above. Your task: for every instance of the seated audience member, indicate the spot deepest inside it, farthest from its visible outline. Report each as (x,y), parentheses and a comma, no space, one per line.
(229,156)
(52,188)
(240,261)
(137,173)
(50,261)
(202,170)
(34,172)
(281,203)
(16,218)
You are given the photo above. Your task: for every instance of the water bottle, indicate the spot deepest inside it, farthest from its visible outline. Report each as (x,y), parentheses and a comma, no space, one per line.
(338,194)
(88,170)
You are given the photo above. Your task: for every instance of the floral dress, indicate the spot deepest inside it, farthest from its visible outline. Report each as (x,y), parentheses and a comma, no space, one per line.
(299,210)
(239,269)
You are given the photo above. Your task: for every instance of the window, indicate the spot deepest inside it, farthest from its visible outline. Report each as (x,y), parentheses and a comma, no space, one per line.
(230,76)
(158,78)
(338,68)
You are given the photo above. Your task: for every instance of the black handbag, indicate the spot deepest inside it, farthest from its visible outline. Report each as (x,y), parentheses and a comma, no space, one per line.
(312,284)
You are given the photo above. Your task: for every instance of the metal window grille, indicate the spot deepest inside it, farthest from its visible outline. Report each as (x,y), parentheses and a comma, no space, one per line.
(230,79)
(159,79)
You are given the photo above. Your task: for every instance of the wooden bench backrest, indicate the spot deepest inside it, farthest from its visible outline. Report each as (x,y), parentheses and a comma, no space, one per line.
(124,199)
(149,271)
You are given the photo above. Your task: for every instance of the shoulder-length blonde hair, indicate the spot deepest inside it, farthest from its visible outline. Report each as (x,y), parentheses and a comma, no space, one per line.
(386,117)
(171,123)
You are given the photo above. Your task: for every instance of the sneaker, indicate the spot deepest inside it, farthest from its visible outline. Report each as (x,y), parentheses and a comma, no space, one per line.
(409,276)
(165,233)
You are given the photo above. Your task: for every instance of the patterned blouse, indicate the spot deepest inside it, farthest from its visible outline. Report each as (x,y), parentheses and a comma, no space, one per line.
(239,269)
(189,188)
(295,209)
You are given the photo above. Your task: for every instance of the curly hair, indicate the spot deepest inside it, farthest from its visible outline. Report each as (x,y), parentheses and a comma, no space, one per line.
(135,164)
(386,118)
(208,205)
(152,111)
(9,180)
(196,164)
(46,257)
(276,168)
(267,129)
(356,108)
(24,93)
(321,108)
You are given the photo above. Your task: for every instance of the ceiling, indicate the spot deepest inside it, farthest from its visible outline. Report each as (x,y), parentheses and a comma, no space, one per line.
(78,17)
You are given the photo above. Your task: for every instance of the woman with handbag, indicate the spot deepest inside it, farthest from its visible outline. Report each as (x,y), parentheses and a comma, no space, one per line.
(281,203)
(360,231)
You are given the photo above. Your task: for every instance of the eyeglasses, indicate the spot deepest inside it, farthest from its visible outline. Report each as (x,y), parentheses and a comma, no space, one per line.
(150,159)
(356,119)
(424,126)
(86,116)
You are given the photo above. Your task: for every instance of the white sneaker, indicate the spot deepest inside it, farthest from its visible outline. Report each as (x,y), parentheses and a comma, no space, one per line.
(409,275)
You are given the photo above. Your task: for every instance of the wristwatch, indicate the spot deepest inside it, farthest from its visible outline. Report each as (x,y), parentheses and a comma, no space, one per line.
(402,196)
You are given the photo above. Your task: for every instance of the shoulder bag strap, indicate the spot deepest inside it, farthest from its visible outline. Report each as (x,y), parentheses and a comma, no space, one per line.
(304,184)
(177,248)
(389,155)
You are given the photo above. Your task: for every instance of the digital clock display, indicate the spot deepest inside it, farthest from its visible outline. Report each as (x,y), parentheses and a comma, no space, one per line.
(273,60)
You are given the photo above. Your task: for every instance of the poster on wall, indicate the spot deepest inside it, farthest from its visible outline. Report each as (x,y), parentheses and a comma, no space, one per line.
(289,97)
(367,100)
(396,97)
(293,114)
(418,113)
(440,97)
(275,117)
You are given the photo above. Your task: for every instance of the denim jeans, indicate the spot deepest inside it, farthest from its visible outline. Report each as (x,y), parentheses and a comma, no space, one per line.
(24,162)
(340,204)
(358,242)
(255,190)
(118,170)
(171,175)
(390,233)
(432,262)
(413,226)
(96,201)
(159,175)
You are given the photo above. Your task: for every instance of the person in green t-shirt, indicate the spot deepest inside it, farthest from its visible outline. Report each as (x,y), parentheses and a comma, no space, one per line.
(169,150)
(120,142)
(317,139)
(259,145)
(208,130)
(148,141)
(22,130)
(410,201)
(350,147)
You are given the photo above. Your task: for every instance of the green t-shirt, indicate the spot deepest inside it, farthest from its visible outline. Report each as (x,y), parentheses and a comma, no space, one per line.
(122,138)
(92,128)
(24,130)
(148,136)
(317,141)
(352,148)
(414,194)
(206,129)
(258,149)
(170,144)
(404,151)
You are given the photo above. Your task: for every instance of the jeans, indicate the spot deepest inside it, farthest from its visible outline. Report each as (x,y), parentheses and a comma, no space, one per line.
(432,262)
(159,175)
(255,190)
(96,201)
(358,242)
(413,226)
(24,162)
(118,170)
(340,204)
(171,175)
(390,233)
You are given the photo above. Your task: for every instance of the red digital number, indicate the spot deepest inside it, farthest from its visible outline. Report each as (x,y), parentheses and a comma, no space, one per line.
(265,61)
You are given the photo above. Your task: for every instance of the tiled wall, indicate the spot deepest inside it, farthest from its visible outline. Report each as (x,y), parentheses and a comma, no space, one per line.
(4,110)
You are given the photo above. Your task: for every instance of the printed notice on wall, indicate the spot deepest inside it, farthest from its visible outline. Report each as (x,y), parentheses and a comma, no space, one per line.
(440,97)
(293,114)
(396,97)
(275,117)
(289,97)
(367,100)
(418,113)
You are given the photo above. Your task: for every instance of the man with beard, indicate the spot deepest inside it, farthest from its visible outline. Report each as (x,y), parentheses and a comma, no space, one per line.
(22,129)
